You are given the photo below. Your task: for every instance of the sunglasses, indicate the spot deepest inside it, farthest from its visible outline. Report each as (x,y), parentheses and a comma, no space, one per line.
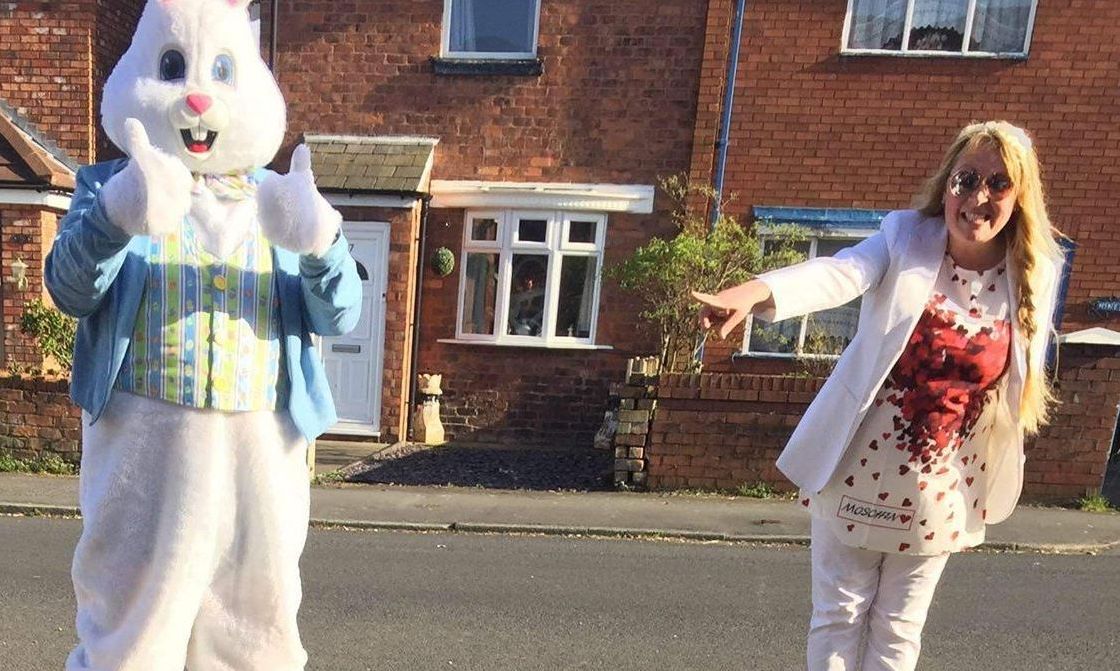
(964,182)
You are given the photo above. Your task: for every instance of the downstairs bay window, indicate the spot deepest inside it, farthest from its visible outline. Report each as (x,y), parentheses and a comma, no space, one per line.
(530,277)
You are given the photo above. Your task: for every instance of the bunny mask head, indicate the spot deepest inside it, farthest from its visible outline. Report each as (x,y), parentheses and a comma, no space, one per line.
(193,76)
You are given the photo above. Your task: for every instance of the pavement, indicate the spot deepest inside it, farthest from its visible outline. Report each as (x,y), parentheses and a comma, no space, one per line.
(619,514)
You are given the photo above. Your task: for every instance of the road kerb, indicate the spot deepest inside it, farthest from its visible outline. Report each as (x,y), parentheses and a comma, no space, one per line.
(44,510)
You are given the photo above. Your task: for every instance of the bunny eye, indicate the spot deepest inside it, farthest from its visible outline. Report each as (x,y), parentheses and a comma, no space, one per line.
(172,66)
(223,69)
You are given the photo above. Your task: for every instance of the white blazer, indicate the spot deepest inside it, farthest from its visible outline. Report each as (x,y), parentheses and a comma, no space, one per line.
(895,271)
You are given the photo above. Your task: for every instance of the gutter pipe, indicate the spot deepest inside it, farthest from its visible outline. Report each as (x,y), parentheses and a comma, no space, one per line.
(728,100)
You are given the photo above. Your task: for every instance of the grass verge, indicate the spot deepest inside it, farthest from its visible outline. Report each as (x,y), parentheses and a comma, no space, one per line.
(48,464)
(1094,504)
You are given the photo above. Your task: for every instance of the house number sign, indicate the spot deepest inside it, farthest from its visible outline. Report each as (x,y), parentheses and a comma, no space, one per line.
(1105,307)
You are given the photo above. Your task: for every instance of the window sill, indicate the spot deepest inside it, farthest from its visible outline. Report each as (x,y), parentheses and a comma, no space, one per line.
(524,345)
(736,356)
(861,53)
(487,67)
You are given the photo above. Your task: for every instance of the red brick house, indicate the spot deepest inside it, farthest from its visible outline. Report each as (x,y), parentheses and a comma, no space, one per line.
(526,137)
(51,55)
(843,107)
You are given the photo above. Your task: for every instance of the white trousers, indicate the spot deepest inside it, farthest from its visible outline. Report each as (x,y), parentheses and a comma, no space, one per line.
(193,525)
(874,598)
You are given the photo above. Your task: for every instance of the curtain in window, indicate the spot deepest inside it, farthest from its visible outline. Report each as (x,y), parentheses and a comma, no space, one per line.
(463,21)
(939,13)
(877,24)
(480,293)
(493,26)
(586,303)
(1000,25)
(530,24)
(938,25)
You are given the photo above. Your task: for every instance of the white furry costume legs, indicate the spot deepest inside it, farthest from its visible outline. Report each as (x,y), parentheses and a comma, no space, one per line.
(876,598)
(193,525)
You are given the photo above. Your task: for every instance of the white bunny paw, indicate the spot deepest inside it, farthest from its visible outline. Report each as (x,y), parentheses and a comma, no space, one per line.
(152,194)
(293,214)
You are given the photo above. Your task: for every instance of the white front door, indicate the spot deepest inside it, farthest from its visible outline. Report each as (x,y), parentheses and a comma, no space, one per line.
(354,361)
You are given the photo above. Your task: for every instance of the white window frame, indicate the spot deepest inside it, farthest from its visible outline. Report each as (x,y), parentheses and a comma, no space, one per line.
(855,235)
(554,248)
(965,52)
(445,40)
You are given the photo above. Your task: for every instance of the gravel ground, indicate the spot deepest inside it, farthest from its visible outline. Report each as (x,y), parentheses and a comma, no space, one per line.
(496,468)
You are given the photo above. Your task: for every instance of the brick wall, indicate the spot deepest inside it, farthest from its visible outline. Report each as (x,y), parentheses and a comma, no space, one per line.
(38,419)
(1069,457)
(814,128)
(54,59)
(25,233)
(114,21)
(46,69)
(615,103)
(720,431)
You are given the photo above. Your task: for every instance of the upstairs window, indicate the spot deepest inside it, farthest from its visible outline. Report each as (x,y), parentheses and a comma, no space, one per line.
(490,29)
(939,27)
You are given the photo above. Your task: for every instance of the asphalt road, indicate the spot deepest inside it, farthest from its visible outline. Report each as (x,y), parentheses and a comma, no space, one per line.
(390,600)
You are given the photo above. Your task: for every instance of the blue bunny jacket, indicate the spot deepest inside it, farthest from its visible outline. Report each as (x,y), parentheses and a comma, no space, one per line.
(95,271)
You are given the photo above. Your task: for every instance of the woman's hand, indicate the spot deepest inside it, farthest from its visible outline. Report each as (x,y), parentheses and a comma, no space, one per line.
(729,307)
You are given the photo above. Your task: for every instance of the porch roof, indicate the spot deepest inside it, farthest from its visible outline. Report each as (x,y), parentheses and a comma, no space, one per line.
(386,164)
(28,158)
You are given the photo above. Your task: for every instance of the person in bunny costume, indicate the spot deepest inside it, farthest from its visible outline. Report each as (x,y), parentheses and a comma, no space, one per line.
(199,279)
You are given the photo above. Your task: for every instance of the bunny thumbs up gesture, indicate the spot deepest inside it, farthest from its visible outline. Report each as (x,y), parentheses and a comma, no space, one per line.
(152,194)
(293,214)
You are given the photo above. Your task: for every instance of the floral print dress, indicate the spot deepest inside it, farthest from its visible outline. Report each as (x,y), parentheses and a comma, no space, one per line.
(914,478)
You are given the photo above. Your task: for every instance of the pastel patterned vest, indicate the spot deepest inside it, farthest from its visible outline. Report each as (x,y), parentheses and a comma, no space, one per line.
(207,331)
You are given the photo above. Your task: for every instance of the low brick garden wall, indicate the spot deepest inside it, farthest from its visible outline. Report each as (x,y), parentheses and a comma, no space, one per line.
(724,430)
(1069,457)
(37,418)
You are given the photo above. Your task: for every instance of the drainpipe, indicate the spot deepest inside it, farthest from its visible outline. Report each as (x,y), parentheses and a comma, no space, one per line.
(722,140)
(272,36)
(418,294)
(728,99)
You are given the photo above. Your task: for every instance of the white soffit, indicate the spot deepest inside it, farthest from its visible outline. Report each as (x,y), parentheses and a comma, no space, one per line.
(1092,336)
(370,200)
(55,201)
(633,198)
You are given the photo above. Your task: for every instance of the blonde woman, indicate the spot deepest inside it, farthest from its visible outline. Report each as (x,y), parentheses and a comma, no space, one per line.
(915,442)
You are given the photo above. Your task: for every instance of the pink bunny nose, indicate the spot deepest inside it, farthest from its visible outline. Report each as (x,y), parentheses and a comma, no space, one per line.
(199,102)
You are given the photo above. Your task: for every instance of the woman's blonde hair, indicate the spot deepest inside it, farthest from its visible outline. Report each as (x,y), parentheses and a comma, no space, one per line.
(1031,239)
